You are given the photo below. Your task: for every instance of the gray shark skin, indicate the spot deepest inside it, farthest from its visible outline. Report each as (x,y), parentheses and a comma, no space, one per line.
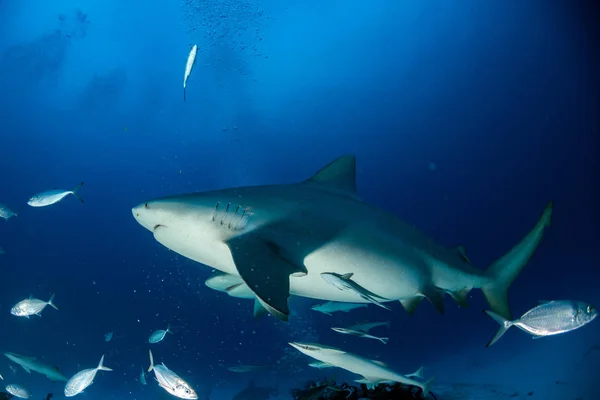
(280,238)
(32,364)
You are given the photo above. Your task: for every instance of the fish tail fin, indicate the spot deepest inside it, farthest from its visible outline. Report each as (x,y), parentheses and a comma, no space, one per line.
(101,366)
(427,386)
(504,325)
(151,367)
(51,302)
(384,340)
(74,192)
(503,271)
(169,329)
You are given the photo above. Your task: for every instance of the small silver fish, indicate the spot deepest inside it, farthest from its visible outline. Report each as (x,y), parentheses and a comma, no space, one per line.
(547,319)
(361,334)
(345,283)
(320,365)
(108,336)
(188,67)
(367,326)
(18,391)
(6,212)
(1,377)
(170,381)
(158,336)
(53,196)
(335,306)
(245,368)
(81,380)
(143,377)
(32,306)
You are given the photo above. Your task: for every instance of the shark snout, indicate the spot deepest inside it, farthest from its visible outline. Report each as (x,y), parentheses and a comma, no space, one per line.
(145,216)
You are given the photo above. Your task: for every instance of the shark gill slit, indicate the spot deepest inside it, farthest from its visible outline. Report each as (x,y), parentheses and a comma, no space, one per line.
(216,210)
(226,211)
(233,218)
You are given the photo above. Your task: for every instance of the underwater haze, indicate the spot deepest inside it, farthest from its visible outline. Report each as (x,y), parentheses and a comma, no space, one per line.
(466,118)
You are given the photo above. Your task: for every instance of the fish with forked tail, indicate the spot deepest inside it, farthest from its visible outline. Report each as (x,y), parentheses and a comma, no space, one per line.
(53,196)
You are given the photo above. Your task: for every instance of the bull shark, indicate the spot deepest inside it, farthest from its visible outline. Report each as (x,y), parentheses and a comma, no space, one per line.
(372,371)
(279,239)
(32,364)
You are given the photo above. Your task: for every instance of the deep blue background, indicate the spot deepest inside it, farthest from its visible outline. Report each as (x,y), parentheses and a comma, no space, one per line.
(502,98)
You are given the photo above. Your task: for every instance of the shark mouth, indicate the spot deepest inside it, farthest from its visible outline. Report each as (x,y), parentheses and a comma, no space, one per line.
(233,220)
(158,226)
(302,346)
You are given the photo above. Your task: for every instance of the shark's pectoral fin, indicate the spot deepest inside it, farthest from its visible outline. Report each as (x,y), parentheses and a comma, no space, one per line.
(435,297)
(460,297)
(266,273)
(259,310)
(411,304)
(26,369)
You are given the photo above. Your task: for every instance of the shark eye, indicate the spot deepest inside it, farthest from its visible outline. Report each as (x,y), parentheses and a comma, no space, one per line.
(146,206)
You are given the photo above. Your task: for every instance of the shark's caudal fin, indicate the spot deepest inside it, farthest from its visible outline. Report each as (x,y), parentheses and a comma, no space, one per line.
(504,271)
(427,386)
(504,325)
(74,191)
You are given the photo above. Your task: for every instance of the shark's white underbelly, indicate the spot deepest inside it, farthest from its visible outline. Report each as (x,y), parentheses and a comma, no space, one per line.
(380,274)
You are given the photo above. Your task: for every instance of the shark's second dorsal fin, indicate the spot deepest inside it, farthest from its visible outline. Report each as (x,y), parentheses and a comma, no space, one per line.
(347,276)
(340,173)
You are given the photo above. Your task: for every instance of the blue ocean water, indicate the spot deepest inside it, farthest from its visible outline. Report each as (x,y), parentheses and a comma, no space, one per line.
(466,119)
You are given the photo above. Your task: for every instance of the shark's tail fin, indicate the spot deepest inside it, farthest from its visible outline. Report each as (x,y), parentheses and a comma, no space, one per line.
(51,302)
(427,386)
(74,191)
(503,272)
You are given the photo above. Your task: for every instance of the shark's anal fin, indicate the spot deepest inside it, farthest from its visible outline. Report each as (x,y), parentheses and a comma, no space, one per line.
(410,305)
(266,273)
(460,297)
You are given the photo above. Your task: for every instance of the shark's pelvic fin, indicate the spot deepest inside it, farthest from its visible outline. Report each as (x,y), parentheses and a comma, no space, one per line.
(410,305)
(340,173)
(266,273)
(504,271)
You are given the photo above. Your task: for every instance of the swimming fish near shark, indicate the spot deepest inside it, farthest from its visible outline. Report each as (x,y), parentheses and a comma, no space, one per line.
(335,306)
(32,364)
(53,196)
(188,67)
(345,282)
(361,334)
(6,213)
(367,326)
(83,379)
(280,238)
(28,307)
(372,371)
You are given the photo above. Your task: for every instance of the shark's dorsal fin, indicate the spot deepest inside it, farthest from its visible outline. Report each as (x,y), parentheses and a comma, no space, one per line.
(462,252)
(347,276)
(340,173)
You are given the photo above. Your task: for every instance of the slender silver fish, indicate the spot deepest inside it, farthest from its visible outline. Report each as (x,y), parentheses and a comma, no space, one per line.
(170,381)
(320,365)
(188,67)
(547,319)
(31,306)
(367,326)
(53,196)
(81,380)
(18,391)
(334,306)
(159,335)
(345,283)
(361,334)
(6,212)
